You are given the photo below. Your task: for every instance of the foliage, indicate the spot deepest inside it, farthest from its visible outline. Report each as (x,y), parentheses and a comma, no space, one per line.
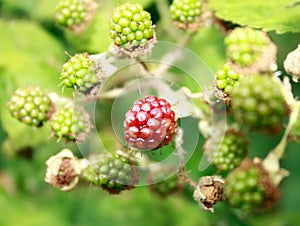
(33,49)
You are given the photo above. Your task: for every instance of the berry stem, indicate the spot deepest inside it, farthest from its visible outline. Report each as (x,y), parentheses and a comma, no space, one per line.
(180,151)
(145,66)
(163,9)
(279,149)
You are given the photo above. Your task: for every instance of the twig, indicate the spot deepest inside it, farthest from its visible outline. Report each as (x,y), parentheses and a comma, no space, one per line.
(181,151)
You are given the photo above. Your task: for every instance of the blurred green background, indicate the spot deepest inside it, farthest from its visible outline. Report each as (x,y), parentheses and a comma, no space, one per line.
(31,53)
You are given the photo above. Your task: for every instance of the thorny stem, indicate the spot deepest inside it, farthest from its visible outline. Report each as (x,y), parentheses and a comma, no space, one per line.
(180,151)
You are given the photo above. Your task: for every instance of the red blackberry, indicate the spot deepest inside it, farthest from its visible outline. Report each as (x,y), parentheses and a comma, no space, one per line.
(149,124)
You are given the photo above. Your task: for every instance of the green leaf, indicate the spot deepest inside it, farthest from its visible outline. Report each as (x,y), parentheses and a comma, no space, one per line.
(281,16)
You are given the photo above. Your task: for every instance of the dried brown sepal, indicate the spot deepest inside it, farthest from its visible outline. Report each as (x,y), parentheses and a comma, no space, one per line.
(134,51)
(221,95)
(209,191)
(63,170)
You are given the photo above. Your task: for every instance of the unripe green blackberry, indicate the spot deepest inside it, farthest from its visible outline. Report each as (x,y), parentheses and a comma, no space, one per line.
(74,14)
(244,46)
(225,79)
(81,72)
(112,172)
(228,154)
(186,13)
(162,184)
(250,188)
(30,105)
(131,28)
(258,103)
(71,124)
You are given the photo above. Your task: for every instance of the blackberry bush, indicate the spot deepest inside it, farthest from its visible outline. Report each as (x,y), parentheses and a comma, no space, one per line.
(149,124)
(248,92)
(30,105)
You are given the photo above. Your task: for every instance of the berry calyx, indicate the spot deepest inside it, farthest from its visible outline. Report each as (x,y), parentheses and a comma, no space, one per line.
(31,106)
(74,14)
(228,154)
(186,13)
(71,124)
(81,72)
(249,187)
(131,29)
(149,124)
(250,51)
(258,103)
(112,172)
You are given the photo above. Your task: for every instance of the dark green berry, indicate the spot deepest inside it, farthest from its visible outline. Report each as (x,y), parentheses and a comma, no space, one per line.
(131,26)
(258,103)
(250,188)
(244,46)
(80,72)
(162,184)
(228,154)
(186,12)
(112,172)
(30,105)
(70,124)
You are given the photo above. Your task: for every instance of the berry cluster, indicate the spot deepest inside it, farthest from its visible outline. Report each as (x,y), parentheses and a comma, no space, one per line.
(80,72)
(131,26)
(258,103)
(249,187)
(186,12)
(70,124)
(112,172)
(230,153)
(30,106)
(149,124)
(70,13)
(244,46)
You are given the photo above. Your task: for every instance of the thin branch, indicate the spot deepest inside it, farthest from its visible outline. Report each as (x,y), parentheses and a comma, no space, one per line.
(181,152)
